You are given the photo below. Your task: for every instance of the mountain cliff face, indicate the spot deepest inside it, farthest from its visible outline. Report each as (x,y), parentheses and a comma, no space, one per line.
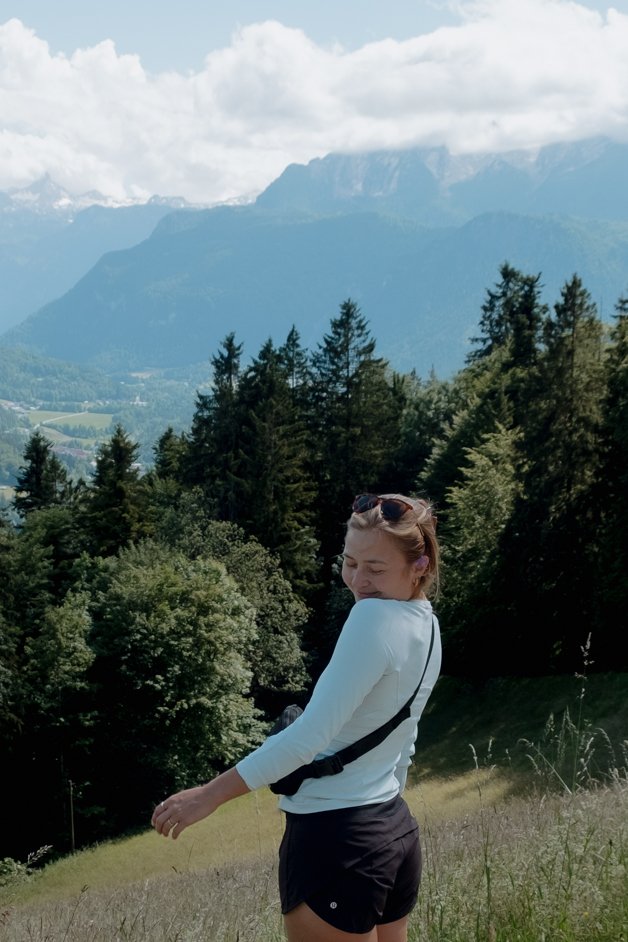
(414,237)
(588,178)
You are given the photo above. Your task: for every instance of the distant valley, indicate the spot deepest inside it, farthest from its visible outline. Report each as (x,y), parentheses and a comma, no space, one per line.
(76,408)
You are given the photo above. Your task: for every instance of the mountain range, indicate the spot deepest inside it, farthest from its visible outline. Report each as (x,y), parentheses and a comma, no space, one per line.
(415,237)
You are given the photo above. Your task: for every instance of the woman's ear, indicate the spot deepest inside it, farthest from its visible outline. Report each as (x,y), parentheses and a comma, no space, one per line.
(422,563)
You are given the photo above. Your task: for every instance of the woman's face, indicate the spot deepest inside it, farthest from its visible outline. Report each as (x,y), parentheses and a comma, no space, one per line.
(375,568)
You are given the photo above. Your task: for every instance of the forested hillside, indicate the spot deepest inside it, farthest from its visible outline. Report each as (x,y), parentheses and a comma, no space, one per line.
(152,624)
(170,300)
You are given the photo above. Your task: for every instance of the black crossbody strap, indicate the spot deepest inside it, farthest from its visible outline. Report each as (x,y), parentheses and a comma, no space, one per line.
(357,749)
(332,765)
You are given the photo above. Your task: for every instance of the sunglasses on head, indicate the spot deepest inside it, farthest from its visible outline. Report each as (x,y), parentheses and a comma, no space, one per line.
(392,508)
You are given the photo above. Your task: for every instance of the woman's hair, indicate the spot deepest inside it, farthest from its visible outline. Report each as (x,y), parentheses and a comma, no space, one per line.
(414,532)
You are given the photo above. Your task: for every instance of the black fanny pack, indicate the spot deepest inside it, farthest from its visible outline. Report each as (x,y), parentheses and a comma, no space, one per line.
(332,765)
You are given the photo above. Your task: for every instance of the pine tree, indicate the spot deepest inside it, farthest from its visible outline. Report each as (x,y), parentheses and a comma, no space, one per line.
(479,510)
(611,585)
(213,455)
(511,312)
(552,540)
(527,317)
(355,422)
(277,491)
(426,411)
(170,453)
(501,380)
(572,371)
(478,405)
(42,480)
(116,500)
(298,371)
(40,669)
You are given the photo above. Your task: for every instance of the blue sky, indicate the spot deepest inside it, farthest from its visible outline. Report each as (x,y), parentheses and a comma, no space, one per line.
(212,101)
(179,35)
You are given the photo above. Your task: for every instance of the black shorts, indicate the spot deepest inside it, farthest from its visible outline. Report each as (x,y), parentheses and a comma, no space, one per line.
(354,867)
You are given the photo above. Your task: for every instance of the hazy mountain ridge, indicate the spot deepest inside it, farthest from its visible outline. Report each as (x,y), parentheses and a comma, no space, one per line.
(415,237)
(45,197)
(171,299)
(49,238)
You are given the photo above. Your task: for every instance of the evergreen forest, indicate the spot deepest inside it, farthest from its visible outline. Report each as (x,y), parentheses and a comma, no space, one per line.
(153,624)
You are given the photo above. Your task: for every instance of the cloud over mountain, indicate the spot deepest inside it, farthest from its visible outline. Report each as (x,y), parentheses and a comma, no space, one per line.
(510,74)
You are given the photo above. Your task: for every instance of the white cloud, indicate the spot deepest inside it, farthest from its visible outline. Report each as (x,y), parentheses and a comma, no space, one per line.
(513,73)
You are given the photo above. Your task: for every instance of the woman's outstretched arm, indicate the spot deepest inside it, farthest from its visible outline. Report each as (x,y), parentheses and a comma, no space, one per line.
(174,814)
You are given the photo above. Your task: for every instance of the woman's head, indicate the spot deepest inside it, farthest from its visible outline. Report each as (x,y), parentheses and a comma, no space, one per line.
(391,550)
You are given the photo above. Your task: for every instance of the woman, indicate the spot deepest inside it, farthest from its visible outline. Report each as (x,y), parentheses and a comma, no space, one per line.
(350,859)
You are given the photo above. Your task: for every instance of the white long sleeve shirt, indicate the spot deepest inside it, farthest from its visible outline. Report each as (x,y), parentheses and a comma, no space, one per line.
(376,664)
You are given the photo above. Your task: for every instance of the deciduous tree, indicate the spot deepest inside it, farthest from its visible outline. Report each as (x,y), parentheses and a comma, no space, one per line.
(275,651)
(170,679)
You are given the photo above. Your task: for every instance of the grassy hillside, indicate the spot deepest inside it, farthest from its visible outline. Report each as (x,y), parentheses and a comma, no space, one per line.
(493,718)
(534,853)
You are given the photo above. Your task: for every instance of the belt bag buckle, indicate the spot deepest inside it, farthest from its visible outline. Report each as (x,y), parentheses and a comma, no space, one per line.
(328,765)
(319,768)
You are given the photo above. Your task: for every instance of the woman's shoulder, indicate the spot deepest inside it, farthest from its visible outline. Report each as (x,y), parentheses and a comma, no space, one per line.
(378,613)
(384,606)
(387,628)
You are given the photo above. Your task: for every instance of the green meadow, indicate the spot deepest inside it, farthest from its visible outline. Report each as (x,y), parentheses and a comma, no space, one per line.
(84,429)
(99,420)
(524,840)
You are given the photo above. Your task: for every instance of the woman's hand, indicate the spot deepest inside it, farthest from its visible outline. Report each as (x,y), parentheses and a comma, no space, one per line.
(173,815)
(177,812)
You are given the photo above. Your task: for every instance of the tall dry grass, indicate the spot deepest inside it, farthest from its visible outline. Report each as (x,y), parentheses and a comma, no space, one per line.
(536,868)
(505,860)
(542,868)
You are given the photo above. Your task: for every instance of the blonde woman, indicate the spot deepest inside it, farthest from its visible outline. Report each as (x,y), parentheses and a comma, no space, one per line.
(350,857)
